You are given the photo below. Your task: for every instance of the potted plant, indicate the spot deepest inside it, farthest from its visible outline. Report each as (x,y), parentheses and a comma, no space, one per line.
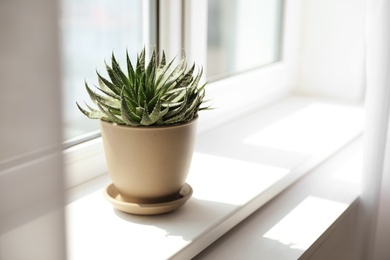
(148,118)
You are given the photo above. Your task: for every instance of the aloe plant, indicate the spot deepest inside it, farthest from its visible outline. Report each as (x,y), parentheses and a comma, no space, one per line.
(157,93)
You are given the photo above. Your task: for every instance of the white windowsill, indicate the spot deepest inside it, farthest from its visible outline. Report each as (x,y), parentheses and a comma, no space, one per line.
(296,223)
(236,169)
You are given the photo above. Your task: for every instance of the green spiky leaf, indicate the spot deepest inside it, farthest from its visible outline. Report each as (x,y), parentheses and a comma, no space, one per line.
(158,93)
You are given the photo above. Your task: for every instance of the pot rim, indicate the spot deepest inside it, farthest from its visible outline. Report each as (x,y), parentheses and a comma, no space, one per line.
(153,127)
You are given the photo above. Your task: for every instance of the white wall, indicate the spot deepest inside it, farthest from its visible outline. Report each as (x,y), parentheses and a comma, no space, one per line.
(31,195)
(332,51)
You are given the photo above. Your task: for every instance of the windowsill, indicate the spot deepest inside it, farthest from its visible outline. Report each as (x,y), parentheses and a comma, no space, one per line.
(297,222)
(235,171)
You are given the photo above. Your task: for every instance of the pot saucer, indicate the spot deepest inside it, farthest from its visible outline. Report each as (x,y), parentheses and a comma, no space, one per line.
(113,196)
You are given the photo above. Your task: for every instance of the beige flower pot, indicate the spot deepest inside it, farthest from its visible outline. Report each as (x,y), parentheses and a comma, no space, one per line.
(149,164)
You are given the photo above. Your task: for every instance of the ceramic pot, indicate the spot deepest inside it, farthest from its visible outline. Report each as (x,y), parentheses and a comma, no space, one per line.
(149,164)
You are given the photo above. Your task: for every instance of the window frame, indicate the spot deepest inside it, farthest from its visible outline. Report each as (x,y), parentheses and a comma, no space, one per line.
(281,75)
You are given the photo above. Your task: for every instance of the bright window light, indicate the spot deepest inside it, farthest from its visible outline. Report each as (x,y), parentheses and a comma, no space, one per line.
(221,183)
(299,132)
(306,222)
(242,35)
(90,31)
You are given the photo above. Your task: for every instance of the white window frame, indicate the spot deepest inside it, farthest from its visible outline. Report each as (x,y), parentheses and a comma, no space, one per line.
(251,90)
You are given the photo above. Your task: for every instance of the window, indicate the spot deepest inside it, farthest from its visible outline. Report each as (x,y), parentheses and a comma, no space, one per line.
(183,25)
(236,95)
(90,31)
(242,89)
(242,35)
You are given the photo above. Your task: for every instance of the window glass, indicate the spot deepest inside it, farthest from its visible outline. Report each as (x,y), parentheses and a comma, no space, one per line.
(90,31)
(242,35)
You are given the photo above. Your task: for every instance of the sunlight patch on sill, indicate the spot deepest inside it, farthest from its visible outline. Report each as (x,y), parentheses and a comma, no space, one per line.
(230,180)
(300,131)
(306,222)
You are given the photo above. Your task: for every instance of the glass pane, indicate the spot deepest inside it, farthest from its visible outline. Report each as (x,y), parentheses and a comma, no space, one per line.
(90,31)
(242,35)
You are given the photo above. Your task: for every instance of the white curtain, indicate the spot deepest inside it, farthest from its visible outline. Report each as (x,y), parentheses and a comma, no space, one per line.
(376,176)
(31,181)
